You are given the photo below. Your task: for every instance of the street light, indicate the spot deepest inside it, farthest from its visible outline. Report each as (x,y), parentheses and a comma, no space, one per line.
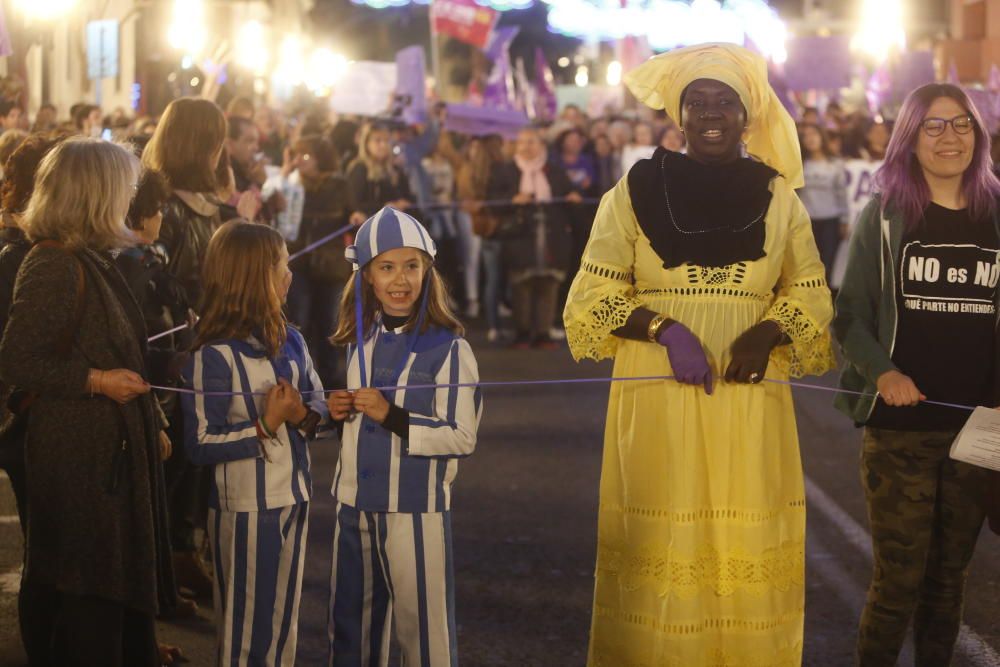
(187,31)
(614,76)
(582,77)
(251,49)
(324,69)
(881,30)
(44,10)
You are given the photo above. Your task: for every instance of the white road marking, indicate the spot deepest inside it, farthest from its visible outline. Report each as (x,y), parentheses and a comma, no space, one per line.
(970,644)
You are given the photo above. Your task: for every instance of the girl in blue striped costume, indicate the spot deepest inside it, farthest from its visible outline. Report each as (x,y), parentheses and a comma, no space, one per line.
(248,421)
(402,439)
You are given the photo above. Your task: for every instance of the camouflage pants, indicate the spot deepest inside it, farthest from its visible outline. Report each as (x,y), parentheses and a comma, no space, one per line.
(925,517)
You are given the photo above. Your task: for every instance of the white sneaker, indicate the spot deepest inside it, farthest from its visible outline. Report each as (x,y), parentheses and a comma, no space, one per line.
(472,310)
(555,333)
(504,311)
(492,335)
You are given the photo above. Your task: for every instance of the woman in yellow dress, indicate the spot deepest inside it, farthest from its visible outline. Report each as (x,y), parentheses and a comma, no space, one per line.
(704,267)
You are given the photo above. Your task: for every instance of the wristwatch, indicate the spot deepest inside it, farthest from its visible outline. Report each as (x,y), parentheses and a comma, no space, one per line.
(309,422)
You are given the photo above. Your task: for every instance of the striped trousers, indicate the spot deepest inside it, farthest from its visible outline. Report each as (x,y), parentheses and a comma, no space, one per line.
(258,559)
(392,567)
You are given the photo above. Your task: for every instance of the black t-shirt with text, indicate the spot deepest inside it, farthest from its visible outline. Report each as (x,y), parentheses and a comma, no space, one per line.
(946,285)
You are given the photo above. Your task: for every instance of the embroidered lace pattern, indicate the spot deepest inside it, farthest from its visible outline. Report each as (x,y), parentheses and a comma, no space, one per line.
(733,274)
(811,350)
(687,574)
(589,337)
(607,656)
(702,625)
(705,291)
(705,514)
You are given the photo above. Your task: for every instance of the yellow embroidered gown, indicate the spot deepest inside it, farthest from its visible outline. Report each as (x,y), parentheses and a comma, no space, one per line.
(701,528)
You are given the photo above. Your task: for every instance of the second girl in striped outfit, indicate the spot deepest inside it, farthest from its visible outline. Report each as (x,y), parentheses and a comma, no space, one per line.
(247,419)
(399,455)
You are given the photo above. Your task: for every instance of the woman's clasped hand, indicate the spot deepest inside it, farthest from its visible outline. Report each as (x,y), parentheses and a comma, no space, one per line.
(750,354)
(283,403)
(343,404)
(120,385)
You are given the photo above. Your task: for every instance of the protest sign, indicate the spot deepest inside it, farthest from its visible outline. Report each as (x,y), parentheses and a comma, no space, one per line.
(818,63)
(860,188)
(411,86)
(367,89)
(464,20)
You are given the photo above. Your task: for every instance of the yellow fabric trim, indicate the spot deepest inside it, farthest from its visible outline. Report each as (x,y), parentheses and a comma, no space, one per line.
(686,575)
(608,656)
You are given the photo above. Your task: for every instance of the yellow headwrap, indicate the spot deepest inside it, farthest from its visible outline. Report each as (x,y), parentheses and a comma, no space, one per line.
(771,136)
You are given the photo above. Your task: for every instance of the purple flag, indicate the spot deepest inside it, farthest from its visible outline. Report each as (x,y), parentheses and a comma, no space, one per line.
(411,91)
(780,86)
(915,68)
(500,41)
(985,103)
(953,74)
(482,121)
(545,91)
(818,63)
(499,91)
(879,89)
(994,81)
(525,91)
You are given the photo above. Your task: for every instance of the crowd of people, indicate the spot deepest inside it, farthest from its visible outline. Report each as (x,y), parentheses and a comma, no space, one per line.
(141,256)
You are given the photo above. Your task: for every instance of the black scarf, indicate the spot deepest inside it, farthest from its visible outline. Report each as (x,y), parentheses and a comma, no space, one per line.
(707,215)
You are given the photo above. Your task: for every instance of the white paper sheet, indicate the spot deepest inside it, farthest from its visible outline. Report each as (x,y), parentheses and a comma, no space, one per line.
(978,442)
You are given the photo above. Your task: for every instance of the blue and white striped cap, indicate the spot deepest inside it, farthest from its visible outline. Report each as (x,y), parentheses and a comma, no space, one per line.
(387,230)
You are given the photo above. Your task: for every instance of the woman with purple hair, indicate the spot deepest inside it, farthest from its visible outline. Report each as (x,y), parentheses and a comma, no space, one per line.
(916,318)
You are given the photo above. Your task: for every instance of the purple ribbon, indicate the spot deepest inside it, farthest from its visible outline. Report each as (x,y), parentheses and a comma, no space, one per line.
(516,383)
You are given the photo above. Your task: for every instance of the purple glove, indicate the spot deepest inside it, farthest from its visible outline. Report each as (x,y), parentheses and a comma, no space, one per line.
(686,355)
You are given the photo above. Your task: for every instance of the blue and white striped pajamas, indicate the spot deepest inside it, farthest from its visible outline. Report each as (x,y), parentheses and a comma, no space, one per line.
(392,547)
(259,497)
(407,577)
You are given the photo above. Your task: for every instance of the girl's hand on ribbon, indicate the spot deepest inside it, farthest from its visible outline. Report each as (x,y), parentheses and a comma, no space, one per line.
(341,404)
(687,358)
(120,385)
(898,390)
(372,403)
(751,352)
(283,403)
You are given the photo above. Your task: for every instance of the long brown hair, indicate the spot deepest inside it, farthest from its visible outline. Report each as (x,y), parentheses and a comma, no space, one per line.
(439,311)
(377,169)
(188,135)
(239,294)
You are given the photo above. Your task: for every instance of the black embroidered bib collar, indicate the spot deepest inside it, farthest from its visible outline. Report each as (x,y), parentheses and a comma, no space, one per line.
(708,215)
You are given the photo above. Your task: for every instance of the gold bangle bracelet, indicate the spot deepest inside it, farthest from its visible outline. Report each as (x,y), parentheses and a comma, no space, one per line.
(654,327)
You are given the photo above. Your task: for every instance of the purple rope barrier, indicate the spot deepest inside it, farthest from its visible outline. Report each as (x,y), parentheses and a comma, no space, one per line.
(513,383)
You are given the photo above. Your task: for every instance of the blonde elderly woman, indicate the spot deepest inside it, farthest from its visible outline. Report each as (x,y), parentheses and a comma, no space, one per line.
(703,267)
(98,561)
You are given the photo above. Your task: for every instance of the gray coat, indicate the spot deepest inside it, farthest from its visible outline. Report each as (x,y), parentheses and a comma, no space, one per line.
(87,534)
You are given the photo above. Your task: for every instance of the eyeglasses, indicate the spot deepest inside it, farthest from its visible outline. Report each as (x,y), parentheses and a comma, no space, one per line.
(934,127)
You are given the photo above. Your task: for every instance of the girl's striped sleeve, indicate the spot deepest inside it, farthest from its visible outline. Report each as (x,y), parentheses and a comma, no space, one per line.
(451,430)
(209,437)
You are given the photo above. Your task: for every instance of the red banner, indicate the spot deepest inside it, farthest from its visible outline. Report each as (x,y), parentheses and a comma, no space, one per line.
(464,20)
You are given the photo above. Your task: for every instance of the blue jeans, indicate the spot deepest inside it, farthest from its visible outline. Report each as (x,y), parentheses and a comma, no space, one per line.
(493,271)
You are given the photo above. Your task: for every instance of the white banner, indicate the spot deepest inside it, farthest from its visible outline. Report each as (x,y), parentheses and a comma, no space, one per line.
(860,186)
(367,89)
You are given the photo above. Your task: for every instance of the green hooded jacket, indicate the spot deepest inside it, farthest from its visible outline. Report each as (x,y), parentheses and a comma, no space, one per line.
(866,319)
